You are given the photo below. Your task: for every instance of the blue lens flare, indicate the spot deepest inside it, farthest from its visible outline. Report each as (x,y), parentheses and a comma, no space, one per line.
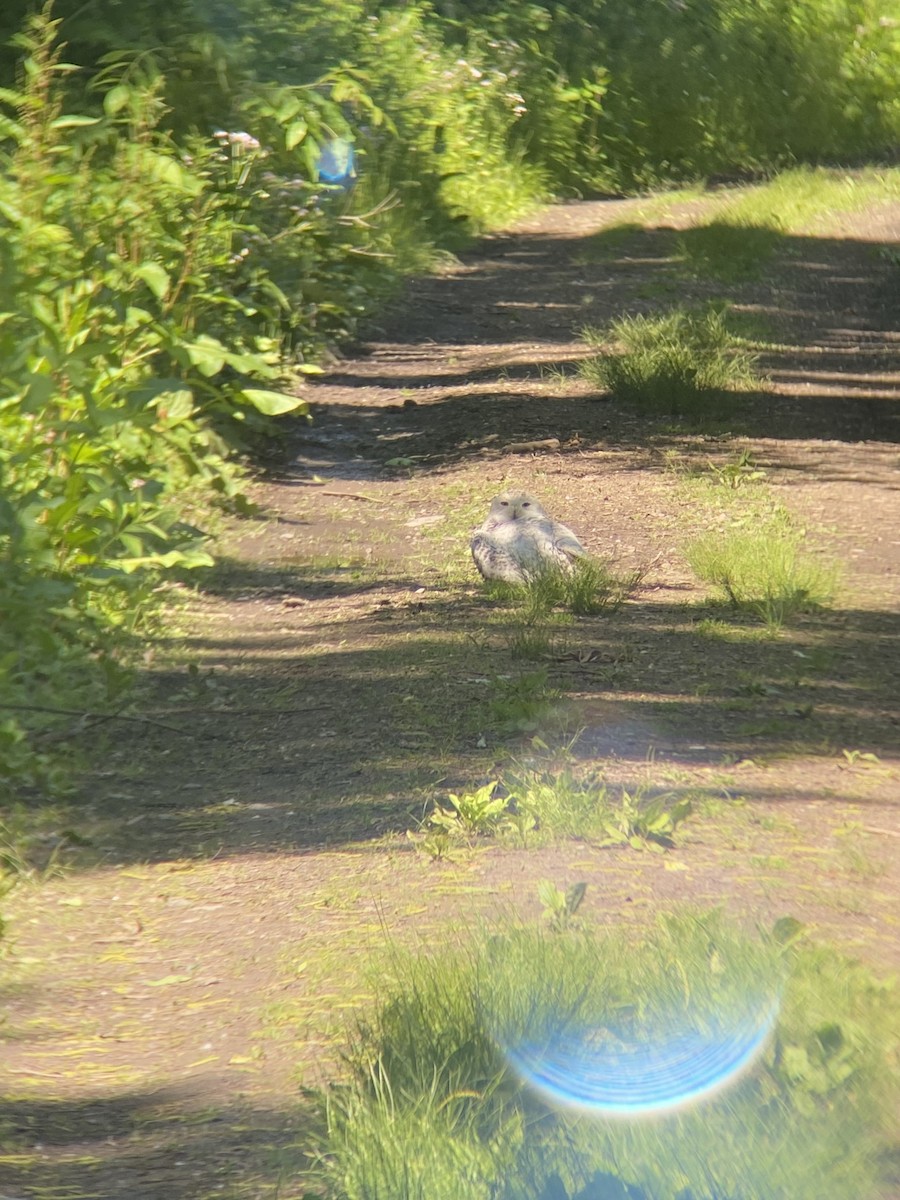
(626,1079)
(337,162)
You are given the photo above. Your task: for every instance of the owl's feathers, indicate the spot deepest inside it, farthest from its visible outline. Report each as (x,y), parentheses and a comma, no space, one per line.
(519,540)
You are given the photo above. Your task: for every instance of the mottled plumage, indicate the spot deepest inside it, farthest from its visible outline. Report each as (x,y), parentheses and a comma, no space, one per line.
(519,539)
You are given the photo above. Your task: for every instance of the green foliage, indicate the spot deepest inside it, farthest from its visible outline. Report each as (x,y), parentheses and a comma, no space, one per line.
(477,812)
(137,344)
(561,802)
(739,471)
(643,824)
(492,104)
(762,568)
(519,702)
(682,362)
(430,1107)
(564,803)
(589,587)
(560,905)
(692,89)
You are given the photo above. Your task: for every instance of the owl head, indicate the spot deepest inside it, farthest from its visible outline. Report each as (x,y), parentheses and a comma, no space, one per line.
(515,506)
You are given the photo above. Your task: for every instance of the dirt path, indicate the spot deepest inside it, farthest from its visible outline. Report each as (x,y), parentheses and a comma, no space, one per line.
(340,670)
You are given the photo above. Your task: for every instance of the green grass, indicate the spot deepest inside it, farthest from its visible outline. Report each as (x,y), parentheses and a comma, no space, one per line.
(563,803)
(682,362)
(537,615)
(742,234)
(763,569)
(728,248)
(589,588)
(428,1106)
(806,198)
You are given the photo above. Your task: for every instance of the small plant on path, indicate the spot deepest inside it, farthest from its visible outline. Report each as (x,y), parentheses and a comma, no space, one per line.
(471,814)
(560,906)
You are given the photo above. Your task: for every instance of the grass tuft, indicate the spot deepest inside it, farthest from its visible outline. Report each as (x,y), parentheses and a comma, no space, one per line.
(763,570)
(683,362)
(590,588)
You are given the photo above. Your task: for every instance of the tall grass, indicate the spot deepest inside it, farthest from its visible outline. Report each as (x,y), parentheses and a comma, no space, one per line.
(429,1105)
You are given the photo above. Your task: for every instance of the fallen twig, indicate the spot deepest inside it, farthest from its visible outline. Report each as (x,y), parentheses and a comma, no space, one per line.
(354,496)
(241,712)
(87,714)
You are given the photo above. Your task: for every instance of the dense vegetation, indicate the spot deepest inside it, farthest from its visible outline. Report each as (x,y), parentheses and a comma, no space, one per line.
(174,257)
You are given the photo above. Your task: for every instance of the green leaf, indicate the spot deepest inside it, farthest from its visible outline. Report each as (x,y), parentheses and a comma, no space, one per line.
(156,278)
(550,895)
(574,897)
(187,559)
(207,354)
(175,405)
(161,168)
(116,99)
(73,121)
(272,404)
(295,133)
(11,129)
(50,234)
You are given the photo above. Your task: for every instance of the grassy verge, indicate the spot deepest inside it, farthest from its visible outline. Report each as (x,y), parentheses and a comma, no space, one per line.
(741,235)
(443,1094)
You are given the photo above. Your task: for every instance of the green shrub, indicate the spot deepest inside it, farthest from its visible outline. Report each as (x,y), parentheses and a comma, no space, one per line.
(138,345)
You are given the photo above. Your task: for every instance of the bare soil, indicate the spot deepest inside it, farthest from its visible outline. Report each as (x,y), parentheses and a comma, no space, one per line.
(168,994)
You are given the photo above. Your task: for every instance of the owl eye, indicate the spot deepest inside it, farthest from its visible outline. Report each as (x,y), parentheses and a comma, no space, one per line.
(504,504)
(526,504)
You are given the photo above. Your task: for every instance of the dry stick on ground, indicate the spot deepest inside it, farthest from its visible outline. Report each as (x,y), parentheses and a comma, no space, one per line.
(345,495)
(83,713)
(241,712)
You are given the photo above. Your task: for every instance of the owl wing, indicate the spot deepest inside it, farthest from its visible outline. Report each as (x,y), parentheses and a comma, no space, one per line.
(565,541)
(495,560)
(554,543)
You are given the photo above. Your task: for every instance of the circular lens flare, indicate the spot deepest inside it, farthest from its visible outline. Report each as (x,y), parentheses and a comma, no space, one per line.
(583,1070)
(337,162)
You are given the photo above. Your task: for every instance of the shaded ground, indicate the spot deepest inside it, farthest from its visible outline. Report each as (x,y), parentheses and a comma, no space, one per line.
(340,670)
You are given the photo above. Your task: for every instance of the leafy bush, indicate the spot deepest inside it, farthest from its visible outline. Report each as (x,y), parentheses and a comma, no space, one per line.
(493,104)
(692,89)
(431,1106)
(139,343)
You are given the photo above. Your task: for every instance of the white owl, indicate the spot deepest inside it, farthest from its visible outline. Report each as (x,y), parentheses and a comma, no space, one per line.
(519,539)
